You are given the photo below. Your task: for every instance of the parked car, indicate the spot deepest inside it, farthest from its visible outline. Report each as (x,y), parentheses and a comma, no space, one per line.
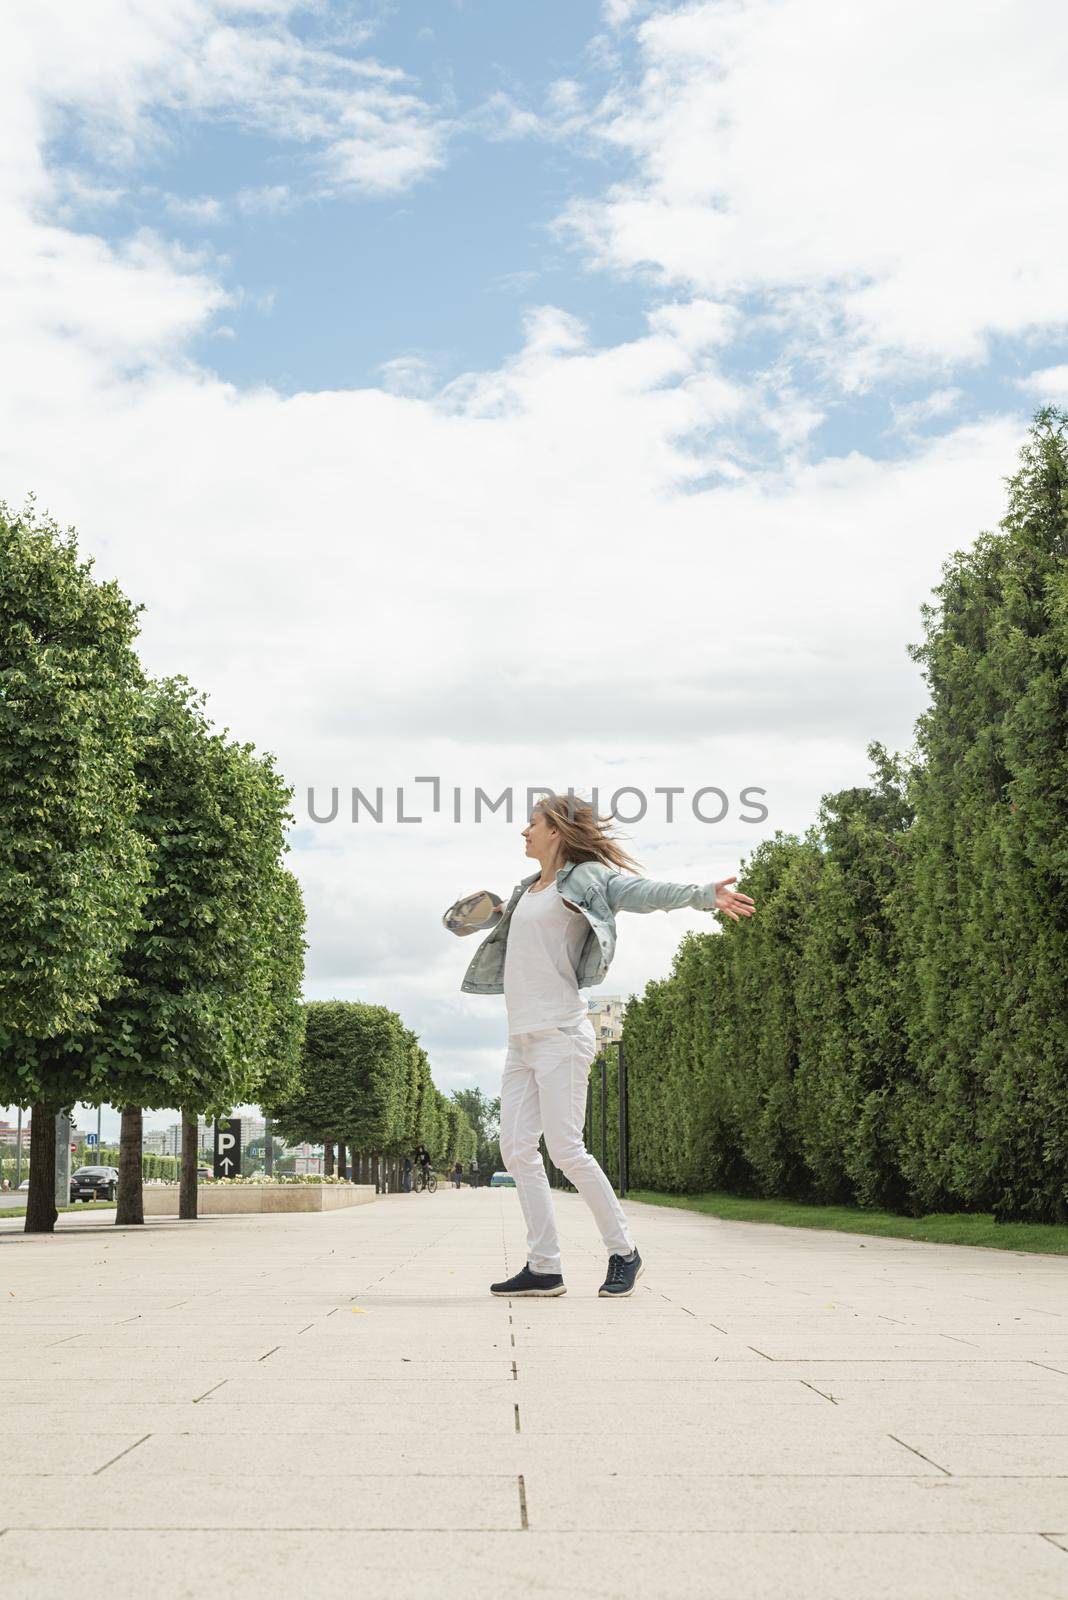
(502,1180)
(94,1183)
(204,1172)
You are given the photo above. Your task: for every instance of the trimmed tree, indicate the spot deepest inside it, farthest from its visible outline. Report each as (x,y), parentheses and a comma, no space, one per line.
(201,1018)
(73,862)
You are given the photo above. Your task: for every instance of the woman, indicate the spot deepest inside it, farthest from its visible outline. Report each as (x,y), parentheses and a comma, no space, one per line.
(555,936)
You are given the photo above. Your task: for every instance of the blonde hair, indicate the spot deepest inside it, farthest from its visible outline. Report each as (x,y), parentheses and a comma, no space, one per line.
(582,831)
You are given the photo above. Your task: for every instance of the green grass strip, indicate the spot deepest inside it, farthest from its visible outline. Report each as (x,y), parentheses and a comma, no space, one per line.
(965,1227)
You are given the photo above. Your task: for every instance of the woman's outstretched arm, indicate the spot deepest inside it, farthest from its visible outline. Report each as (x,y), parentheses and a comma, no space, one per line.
(626,893)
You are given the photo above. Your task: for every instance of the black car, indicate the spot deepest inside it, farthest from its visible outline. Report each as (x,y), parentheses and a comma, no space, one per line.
(94,1183)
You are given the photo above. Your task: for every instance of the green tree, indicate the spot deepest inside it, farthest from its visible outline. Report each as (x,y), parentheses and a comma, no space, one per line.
(853,1058)
(202,1016)
(483,1116)
(351,1080)
(988,939)
(74,865)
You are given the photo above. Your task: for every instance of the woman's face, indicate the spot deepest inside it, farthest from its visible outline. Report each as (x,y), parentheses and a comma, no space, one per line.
(542,838)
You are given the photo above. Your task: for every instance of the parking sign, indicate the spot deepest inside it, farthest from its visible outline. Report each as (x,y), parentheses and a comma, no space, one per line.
(227,1163)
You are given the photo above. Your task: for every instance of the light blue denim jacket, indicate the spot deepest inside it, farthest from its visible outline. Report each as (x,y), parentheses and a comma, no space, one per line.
(599,892)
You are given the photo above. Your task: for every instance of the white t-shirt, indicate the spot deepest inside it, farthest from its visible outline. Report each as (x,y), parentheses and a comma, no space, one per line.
(545,940)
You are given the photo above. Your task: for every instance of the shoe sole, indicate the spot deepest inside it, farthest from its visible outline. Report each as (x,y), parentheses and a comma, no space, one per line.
(620,1294)
(519,1294)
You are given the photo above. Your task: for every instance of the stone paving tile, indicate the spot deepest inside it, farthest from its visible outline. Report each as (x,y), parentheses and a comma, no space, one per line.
(342,1455)
(77,1454)
(547,1414)
(962,1418)
(370,1500)
(935,1391)
(102,1392)
(438,1416)
(285,1390)
(784,1503)
(580,1566)
(995,1455)
(859,1347)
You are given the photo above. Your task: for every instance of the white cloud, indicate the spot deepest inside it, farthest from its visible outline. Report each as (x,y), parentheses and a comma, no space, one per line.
(226,61)
(618,12)
(565,95)
(697,324)
(204,211)
(1051,383)
(271,198)
(855,155)
(411,375)
(911,415)
(81,312)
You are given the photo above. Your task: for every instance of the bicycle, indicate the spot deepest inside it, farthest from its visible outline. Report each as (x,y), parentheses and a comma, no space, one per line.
(425,1180)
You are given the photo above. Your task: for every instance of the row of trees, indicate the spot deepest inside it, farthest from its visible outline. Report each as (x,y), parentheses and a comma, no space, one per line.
(364,1083)
(151,951)
(484,1115)
(152,944)
(891,1028)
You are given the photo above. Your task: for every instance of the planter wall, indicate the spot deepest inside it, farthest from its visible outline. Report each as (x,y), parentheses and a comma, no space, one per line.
(161,1200)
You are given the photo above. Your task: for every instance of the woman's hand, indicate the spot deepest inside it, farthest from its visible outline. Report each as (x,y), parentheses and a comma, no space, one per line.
(730,902)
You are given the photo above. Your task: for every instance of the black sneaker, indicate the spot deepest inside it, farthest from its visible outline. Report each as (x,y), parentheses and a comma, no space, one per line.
(623,1274)
(528,1282)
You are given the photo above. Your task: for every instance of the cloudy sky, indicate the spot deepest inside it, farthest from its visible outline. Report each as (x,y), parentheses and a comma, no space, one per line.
(578,392)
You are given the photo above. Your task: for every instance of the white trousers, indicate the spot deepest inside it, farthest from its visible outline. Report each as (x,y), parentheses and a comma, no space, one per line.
(543,1090)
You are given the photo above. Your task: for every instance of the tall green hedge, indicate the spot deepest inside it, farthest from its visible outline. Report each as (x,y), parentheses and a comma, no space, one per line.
(891,1027)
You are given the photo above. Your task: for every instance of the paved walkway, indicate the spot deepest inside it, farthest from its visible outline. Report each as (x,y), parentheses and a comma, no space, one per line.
(323,1405)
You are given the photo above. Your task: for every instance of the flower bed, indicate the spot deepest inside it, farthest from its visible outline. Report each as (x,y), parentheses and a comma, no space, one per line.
(285,1177)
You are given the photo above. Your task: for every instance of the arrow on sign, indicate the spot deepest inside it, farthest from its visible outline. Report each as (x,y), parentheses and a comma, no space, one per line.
(227,1163)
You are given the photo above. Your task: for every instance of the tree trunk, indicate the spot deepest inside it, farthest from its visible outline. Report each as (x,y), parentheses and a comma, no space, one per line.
(187,1194)
(41,1210)
(268,1148)
(341,1167)
(131,1207)
(328,1161)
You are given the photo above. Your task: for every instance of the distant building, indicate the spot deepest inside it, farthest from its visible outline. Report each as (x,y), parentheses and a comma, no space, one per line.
(252,1128)
(606,1013)
(9,1133)
(308,1164)
(156,1142)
